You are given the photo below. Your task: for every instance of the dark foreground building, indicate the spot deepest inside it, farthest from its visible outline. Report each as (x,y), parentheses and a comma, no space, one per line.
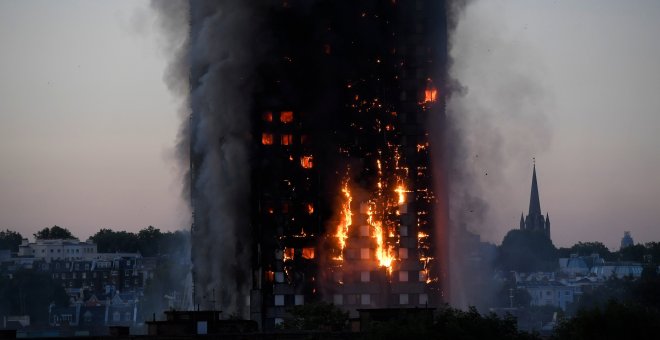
(341,195)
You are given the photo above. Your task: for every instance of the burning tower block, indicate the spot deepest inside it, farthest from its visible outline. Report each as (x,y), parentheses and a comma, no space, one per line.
(341,195)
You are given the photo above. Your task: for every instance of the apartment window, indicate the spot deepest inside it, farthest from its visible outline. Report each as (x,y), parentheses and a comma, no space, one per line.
(268,117)
(116,317)
(403,276)
(278,321)
(364,230)
(403,299)
(279,277)
(403,230)
(403,253)
(307,162)
(364,253)
(422,276)
(299,300)
(338,299)
(266,139)
(365,276)
(423,299)
(286,116)
(279,300)
(365,299)
(286,139)
(308,253)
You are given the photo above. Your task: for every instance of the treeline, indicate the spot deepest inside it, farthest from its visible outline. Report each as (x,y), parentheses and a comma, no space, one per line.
(149,241)
(528,251)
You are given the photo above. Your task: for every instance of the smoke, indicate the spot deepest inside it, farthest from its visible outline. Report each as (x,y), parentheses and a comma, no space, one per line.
(496,120)
(214,69)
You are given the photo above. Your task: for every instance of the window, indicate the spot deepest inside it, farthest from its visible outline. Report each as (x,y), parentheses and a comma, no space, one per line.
(423,299)
(364,230)
(304,139)
(268,117)
(338,299)
(279,277)
(403,230)
(308,253)
(286,116)
(365,299)
(279,300)
(422,276)
(364,253)
(278,321)
(403,253)
(286,139)
(403,299)
(307,162)
(128,316)
(116,317)
(403,276)
(365,276)
(299,300)
(266,139)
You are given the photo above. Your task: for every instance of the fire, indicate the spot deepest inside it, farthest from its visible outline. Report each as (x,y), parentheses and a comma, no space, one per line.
(400,190)
(310,208)
(267,138)
(307,162)
(346,220)
(384,253)
(286,117)
(430,95)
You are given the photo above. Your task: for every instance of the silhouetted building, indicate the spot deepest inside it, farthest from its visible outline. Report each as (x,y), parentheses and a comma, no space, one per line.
(534,221)
(342,193)
(627,240)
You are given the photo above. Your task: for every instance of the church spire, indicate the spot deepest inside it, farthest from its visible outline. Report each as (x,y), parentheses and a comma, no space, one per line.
(534,202)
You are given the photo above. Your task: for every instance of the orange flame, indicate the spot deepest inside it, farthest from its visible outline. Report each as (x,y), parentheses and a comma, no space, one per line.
(346,220)
(384,253)
(401,191)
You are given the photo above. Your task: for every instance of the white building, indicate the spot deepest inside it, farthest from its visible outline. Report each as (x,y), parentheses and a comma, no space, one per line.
(58,249)
(550,293)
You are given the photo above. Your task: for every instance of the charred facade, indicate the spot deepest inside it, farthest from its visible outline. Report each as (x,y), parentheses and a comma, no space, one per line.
(341,195)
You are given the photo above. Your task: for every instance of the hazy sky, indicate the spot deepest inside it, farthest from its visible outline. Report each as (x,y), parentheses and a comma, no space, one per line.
(87,126)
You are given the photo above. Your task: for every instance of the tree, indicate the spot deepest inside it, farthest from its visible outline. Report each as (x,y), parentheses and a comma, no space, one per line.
(149,239)
(321,316)
(588,248)
(633,253)
(527,251)
(109,241)
(10,240)
(54,232)
(30,292)
(615,320)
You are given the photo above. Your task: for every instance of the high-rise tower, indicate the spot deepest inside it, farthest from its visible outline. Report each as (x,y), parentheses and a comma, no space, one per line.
(340,193)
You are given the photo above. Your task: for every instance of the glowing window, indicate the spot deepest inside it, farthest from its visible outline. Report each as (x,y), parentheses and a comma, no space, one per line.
(422,276)
(306,162)
(288,253)
(403,253)
(308,253)
(364,253)
(364,230)
(310,208)
(268,116)
(430,95)
(267,138)
(286,116)
(403,276)
(286,139)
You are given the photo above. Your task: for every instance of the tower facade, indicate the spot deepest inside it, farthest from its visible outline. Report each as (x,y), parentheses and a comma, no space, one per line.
(535,221)
(341,187)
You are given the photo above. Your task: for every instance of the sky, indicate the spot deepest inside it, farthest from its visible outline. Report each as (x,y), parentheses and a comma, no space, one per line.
(88,127)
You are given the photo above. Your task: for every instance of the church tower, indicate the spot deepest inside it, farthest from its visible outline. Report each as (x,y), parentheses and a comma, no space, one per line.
(535,220)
